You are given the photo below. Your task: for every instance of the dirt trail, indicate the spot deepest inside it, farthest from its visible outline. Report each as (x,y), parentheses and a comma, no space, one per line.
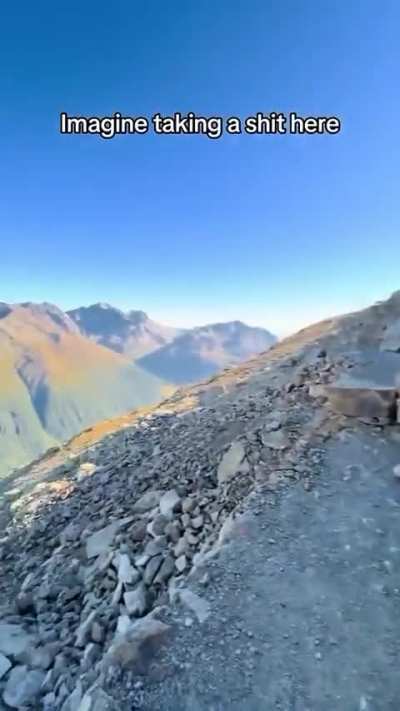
(305,600)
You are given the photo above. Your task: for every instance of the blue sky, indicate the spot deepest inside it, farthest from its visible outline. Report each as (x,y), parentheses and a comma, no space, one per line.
(276,230)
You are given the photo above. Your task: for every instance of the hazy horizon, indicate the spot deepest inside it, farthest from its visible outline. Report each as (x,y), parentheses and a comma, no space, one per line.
(280,323)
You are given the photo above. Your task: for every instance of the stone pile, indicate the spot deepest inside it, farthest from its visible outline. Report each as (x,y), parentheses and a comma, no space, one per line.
(89,572)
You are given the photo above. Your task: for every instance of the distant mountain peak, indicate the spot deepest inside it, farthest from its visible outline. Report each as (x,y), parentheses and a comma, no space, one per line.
(137,316)
(49,310)
(103,305)
(203,351)
(132,333)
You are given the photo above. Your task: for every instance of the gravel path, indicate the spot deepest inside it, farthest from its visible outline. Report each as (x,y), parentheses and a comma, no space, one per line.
(304,602)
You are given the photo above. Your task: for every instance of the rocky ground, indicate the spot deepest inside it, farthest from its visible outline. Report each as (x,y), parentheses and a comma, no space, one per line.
(235,548)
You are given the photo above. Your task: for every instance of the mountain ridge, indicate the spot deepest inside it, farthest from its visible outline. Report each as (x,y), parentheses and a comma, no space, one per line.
(205,350)
(132,332)
(178,355)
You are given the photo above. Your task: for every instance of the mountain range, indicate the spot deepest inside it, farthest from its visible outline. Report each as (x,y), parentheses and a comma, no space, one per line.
(63,371)
(177,355)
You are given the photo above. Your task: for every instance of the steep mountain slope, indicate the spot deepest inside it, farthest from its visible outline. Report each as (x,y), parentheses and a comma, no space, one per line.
(54,381)
(203,351)
(132,333)
(115,576)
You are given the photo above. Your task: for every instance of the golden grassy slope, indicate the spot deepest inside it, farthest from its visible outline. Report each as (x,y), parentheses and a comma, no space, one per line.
(54,382)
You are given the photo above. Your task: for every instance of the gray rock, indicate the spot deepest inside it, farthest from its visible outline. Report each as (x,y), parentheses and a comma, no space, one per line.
(275,423)
(135,649)
(167,569)
(142,560)
(97,633)
(185,520)
(124,624)
(169,503)
(25,603)
(173,531)
(86,469)
(231,462)
(126,572)
(138,532)
(40,657)
(188,505)
(99,542)
(377,402)
(5,665)
(181,547)
(102,563)
(148,501)
(70,534)
(117,594)
(136,601)
(72,703)
(391,339)
(276,439)
(97,700)
(50,679)
(90,656)
(198,522)
(181,563)
(227,530)
(316,390)
(196,604)
(396,471)
(156,546)
(84,630)
(28,582)
(152,568)
(158,525)
(13,639)
(49,701)
(23,686)
(63,694)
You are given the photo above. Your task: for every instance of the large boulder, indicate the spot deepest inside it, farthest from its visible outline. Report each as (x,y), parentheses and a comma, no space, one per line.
(23,687)
(366,402)
(135,648)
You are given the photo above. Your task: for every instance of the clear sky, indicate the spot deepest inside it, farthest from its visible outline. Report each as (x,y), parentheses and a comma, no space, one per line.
(275,230)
